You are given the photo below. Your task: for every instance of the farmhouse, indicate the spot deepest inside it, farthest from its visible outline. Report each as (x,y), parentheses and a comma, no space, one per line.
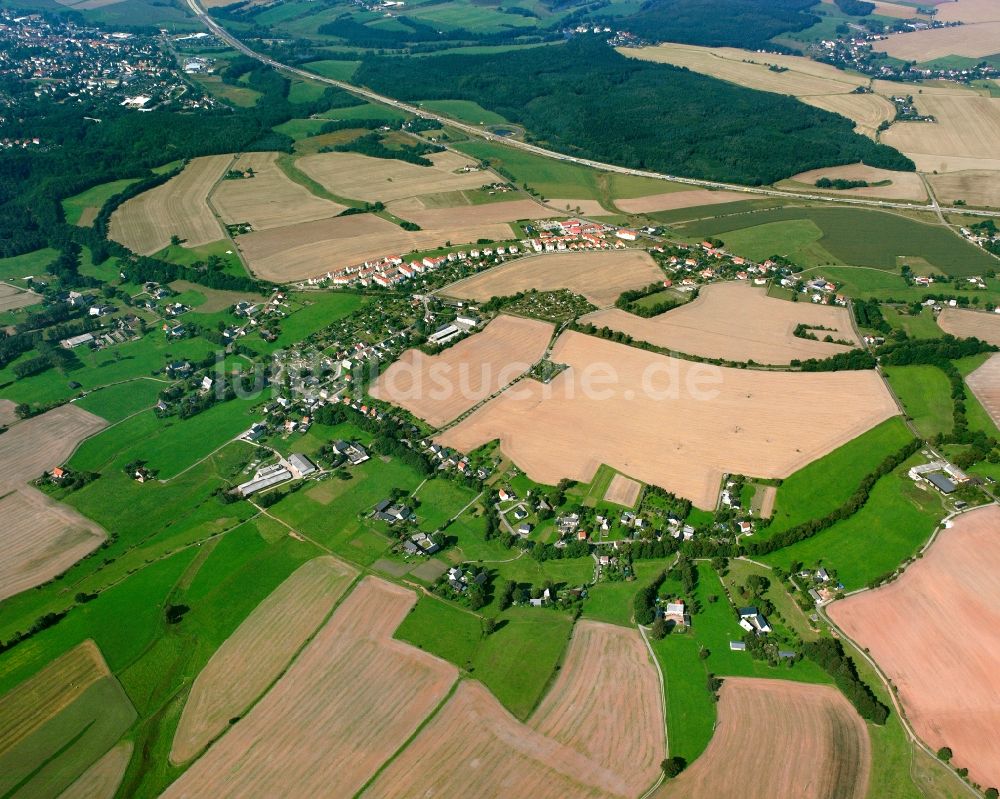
(354,452)
(752,620)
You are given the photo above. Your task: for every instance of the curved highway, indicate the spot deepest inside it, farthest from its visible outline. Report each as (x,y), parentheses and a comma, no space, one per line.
(474,130)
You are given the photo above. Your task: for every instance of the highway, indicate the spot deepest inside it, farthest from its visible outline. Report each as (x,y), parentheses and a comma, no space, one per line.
(474,130)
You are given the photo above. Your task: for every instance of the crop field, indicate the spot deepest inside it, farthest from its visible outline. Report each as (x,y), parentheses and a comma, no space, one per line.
(323,728)
(311,249)
(587,708)
(12,298)
(968,11)
(867,110)
(966,135)
(268,199)
(585,207)
(441,387)
(255,655)
(57,723)
(973,41)
(179,207)
(902,185)
(598,276)
(931,631)
(720,421)
(738,322)
(8,413)
(480,751)
(975,187)
(102,779)
(780,740)
(467,216)
(985,384)
(677,199)
(623,490)
(379,179)
(863,238)
(970,324)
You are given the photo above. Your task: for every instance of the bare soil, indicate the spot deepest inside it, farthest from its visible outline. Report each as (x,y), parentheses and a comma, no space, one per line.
(623,491)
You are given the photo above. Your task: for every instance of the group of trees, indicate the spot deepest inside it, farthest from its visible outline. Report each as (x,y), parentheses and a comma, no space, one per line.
(663,118)
(627,301)
(372,145)
(829,654)
(644,602)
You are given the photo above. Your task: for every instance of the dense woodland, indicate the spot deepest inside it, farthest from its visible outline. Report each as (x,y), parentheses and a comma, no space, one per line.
(585,99)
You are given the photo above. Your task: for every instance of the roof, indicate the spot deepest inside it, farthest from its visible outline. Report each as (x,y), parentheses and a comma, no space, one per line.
(302,464)
(941,483)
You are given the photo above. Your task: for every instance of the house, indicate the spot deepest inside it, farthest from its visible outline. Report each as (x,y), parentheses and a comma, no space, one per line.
(520,513)
(525,529)
(626,235)
(301,465)
(256,431)
(752,620)
(59,473)
(746,528)
(506,496)
(354,452)
(206,383)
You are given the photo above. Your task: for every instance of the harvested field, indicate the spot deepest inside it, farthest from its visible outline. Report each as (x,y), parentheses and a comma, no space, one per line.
(441,387)
(678,199)
(763,501)
(969,11)
(584,207)
(102,779)
(347,703)
(903,186)
(985,384)
(468,216)
(896,10)
(598,276)
(270,198)
(970,324)
(976,187)
(966,135)
(623,491)
(737,322)
(780,740)
(672,423)
(475,749)
(8,412)
(41,539)
(380,179)
(256,654)
(12,298)
(179,207)
(973,41)
(868,111)
(587,709)
(311,249)
(37,444)
(933,631)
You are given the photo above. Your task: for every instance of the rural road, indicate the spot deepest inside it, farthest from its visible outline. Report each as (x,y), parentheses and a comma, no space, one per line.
(474,130)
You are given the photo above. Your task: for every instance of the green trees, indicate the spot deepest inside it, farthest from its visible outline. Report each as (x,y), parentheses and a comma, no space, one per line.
(829,654)
(673,766)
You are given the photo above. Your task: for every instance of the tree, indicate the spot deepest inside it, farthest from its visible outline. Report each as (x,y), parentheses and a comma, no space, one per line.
(992,793)
(659,629)
(944,753)
(489,626)
(673,766)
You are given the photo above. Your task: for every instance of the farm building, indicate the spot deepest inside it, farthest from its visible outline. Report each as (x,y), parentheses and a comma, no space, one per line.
(265,478)
(301,465)
(941,483)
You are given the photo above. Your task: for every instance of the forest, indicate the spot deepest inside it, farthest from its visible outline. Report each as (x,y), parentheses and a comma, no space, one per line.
(585,99)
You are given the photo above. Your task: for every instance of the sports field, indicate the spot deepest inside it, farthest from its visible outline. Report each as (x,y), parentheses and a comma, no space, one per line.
(738,322)
(970,324)
(441,387)
(599,276)
(268,199)
(719,421)
(901,185)
(179,207)
(255,655)
(931,631)
(780,740)
(348,702)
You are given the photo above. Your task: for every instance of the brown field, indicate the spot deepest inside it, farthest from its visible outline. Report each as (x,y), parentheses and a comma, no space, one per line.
(985,384)
(763,501)
(977,187)
(256,654)
(672,423)
(867,110)
(270,198)
(606,704)
(897,10)
(8,412)
(598,276)
(678,199)
(474,748)
(362,178)
(933,632)
(41,697)
(779,740)
(968,11)
(623,491)
(102,779)
(467,216)
(584,207)
(737,322)
(441,387)
(347,703)
(42,538)
(974,41)
(179,207)
(12,298)
(903,186)
(966,135)
(311,249)
(970,324)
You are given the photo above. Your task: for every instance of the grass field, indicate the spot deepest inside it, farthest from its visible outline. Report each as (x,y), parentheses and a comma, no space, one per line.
(440,500)
(855,237)
(827,483)
(116,402)
(80,209)
(921,325)
(926,395)
(32,263)
(338,70)
(465,111)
